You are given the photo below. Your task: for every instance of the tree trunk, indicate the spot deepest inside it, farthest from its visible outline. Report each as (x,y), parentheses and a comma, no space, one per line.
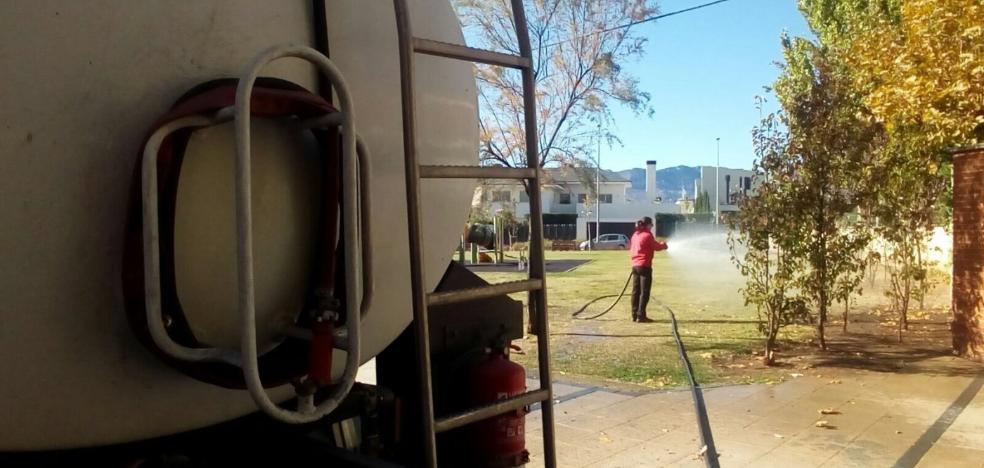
(922,279)
(822,322)
(847,305)
(905,311)
(900,331)
(905,302)
(820,336)
(769,358)
(821,225)
(872,274)
(903,305)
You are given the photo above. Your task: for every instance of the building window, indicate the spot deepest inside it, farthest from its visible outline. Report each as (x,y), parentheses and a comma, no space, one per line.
(565,199)
(501,196)
(727,189)
(605,198)
(582,198)
(523,196)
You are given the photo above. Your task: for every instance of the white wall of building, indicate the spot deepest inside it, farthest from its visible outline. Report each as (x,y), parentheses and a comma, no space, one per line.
(558,198)
(651,180)
(551,198)
(626,212)
(621,209)
(720,190)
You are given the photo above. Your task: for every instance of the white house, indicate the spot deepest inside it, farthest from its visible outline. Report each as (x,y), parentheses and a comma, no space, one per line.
(731,185)
(564,193)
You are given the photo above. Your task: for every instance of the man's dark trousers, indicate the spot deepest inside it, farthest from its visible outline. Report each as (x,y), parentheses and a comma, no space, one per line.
(642,281)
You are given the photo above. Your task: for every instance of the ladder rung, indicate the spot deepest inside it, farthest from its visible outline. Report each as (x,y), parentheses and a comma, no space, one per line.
(476,172)
(471,54)
(495,409)
(492,290)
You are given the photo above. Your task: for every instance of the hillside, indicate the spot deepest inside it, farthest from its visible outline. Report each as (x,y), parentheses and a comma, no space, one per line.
(669,181)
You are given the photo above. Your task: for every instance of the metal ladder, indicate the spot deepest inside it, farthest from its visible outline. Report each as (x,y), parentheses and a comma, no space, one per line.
(535,285)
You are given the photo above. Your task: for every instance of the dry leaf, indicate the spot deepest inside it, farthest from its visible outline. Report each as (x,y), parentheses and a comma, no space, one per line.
(828,411)
(825,425)
(835,381)
(795,375)
(778,436)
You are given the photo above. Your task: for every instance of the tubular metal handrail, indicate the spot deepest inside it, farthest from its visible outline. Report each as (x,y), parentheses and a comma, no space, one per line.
(307,411)
(356,186)
(152,251)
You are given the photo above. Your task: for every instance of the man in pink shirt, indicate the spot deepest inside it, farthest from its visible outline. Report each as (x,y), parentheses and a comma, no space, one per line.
(641,249)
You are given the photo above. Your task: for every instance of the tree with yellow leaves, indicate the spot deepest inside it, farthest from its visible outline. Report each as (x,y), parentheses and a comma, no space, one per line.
(919,67)
(919,63)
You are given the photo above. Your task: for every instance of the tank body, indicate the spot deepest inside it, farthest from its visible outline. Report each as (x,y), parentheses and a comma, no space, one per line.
(83,82)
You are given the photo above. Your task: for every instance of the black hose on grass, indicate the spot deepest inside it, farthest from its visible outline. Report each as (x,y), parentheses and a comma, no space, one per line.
(585,306)
(707,450)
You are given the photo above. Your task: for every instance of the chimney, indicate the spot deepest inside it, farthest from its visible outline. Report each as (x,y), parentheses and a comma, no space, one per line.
(651,180)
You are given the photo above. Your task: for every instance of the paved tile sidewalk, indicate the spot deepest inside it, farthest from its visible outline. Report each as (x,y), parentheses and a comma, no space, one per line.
(913,419)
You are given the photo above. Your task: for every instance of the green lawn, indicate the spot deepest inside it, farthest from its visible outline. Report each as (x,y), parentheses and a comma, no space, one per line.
(702,286)
(703,291)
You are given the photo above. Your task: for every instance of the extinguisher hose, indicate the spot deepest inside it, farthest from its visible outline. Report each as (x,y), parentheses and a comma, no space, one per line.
(707,450)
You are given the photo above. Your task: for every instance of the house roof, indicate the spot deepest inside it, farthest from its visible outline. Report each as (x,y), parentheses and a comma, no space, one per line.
(569,175)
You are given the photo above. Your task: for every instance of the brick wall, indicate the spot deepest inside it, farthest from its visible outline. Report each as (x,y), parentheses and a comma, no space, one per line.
(968,253)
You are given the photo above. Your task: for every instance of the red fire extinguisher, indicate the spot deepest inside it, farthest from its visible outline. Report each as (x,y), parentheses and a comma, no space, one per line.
(501,441)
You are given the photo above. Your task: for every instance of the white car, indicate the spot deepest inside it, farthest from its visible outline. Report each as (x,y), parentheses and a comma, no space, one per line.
(608,242)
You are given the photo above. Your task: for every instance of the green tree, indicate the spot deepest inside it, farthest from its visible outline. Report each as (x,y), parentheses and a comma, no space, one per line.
(849,284)
(918,62)
(702,205)
(922,68)
(918,65)
(904,212)
(578,56)
(832,140)
(765,232)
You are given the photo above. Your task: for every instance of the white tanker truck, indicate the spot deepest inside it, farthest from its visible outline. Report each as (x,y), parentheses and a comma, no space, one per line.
(187,239)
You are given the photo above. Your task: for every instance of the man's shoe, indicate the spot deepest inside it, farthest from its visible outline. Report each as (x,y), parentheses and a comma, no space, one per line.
(644,320)
(635,318)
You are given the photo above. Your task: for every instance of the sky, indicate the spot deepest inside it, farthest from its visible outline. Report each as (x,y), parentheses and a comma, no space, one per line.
(703,70)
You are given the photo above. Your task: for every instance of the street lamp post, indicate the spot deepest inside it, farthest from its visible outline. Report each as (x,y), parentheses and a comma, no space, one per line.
(598,188)
(717,184)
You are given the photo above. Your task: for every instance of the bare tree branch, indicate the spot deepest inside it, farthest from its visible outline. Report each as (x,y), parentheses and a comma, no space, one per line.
(577,68)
